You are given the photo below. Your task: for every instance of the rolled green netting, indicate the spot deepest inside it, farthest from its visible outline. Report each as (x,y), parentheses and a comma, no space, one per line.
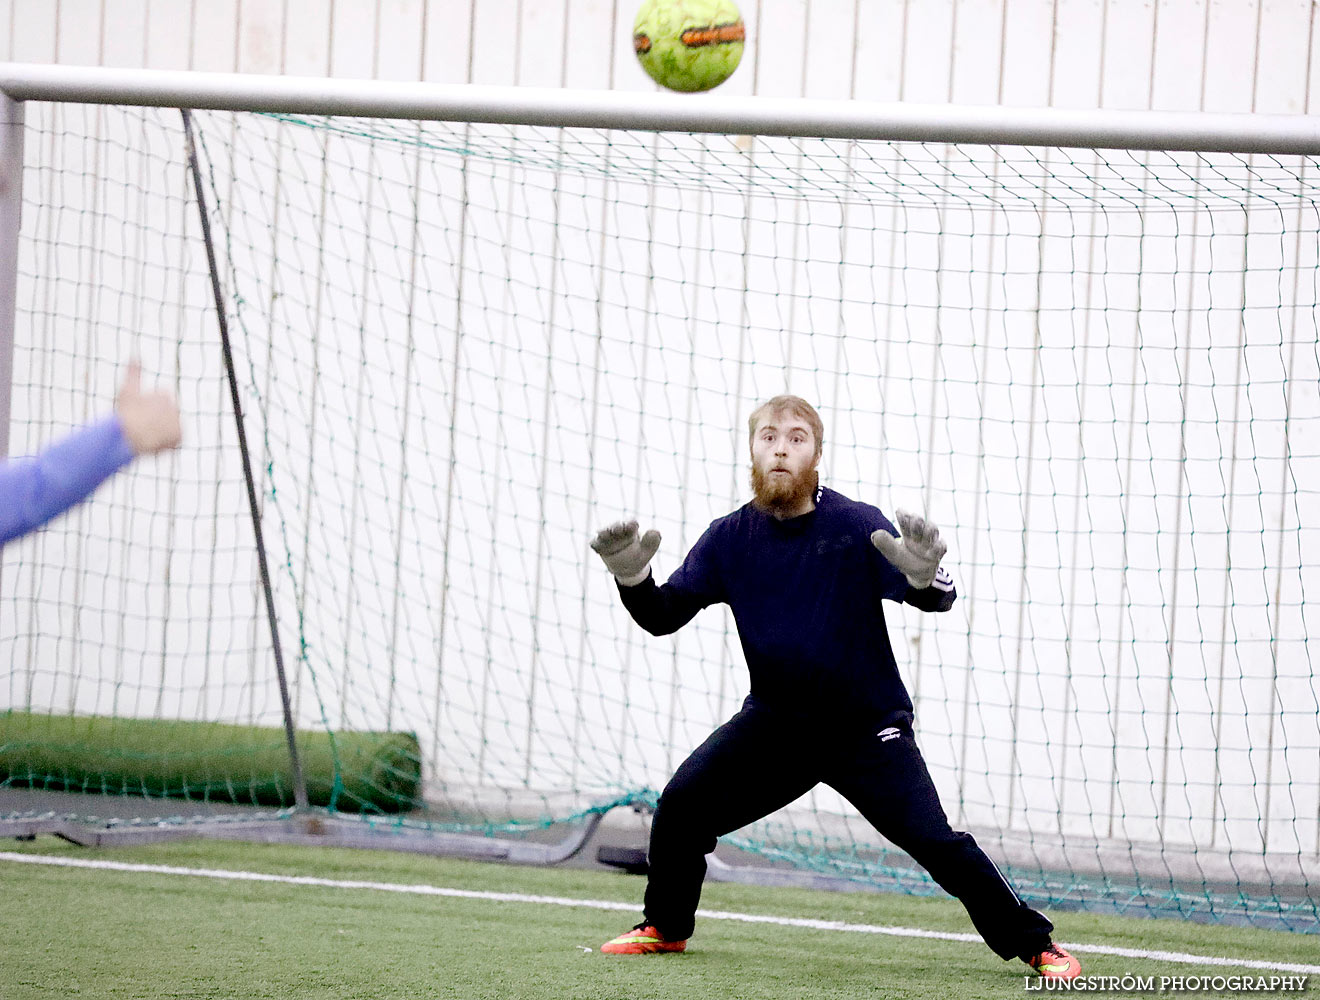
(209,761)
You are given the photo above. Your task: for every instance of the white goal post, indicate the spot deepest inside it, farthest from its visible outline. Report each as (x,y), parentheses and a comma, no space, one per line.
(605,109)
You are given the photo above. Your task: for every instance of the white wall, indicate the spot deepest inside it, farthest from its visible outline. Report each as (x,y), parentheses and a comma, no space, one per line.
(1215,55)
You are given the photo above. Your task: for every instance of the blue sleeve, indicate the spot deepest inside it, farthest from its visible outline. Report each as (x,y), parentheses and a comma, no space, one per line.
(693,586)
(35,489)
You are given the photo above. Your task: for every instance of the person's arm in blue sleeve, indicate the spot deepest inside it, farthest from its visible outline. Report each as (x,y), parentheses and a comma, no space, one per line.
(35,489)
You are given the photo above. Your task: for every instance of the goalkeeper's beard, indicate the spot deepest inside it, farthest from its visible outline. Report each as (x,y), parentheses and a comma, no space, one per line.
(782,494)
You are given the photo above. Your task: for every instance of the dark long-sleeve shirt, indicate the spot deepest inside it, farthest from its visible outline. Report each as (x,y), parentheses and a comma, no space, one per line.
(35,489)
(806,594)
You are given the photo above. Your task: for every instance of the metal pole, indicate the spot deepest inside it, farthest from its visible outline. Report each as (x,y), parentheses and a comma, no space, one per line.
(299,785)
(11,207)
(11,210)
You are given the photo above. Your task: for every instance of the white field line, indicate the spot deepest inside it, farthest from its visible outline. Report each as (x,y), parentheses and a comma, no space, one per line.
(601,904)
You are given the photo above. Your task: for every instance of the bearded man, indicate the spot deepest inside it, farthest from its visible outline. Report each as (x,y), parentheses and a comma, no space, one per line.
(805,571)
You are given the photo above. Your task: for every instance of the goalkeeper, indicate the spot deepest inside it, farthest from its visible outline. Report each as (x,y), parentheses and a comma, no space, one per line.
(804,570)
(33,490)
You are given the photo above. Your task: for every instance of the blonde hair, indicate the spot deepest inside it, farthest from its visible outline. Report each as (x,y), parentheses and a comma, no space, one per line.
(795,405)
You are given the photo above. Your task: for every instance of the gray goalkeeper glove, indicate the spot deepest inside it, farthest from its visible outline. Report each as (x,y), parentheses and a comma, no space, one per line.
(917,554)
(626,555)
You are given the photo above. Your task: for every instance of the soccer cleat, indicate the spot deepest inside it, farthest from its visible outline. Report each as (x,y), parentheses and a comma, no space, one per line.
(641,940)
(1054,963)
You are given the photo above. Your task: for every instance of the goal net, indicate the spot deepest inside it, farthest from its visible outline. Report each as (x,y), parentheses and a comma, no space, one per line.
(462,348)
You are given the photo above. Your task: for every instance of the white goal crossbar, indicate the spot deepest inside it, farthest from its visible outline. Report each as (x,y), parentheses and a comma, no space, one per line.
(609,109)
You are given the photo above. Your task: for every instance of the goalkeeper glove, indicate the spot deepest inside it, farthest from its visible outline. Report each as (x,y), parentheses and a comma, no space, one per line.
(917,554)
(625,554)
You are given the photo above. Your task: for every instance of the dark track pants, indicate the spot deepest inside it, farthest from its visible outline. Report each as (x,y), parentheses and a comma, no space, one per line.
(756,763)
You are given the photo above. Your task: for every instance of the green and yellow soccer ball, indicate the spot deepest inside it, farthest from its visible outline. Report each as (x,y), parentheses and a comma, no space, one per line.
(688,44)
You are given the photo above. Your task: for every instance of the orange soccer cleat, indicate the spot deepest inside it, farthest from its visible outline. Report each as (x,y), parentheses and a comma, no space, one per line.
(1054,963)
(641,940)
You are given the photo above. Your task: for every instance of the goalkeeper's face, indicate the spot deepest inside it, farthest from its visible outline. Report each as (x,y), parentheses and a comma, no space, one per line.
(784,461)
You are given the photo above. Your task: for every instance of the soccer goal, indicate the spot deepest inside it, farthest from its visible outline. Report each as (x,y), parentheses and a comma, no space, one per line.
(467,326)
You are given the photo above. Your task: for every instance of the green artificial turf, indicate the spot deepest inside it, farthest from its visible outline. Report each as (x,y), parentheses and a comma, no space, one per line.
(85,933)
(207,761)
